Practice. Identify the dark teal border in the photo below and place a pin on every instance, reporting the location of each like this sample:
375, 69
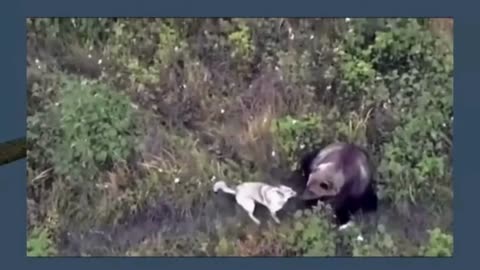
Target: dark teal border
466, 123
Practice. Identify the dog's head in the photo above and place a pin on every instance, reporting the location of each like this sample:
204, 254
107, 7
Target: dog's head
286, 192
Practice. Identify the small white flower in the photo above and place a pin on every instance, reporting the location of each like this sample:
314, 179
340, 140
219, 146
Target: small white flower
329, 87
176, 48
265, 120
56, 104
292, 36
294, 121
184, 86
350, 30
99, 61
37, 61
312, 36
222, 111
213, 178
160, 170
360, 238
277, 68
89, 56
273, 153
302, 146
177, 180
347, 19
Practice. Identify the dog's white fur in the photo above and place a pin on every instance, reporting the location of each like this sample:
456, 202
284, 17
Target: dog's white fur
246, 194
346, 225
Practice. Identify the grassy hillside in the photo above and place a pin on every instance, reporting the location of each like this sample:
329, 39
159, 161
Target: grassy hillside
131, 120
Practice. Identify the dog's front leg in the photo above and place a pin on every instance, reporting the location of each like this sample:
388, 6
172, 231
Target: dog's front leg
274, 216
254, 218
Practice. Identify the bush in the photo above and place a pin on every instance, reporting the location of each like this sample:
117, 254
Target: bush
97, 129
92, 128
293, 136
242, 46
40, 244
378, 244
440, 244
312, 234
403, 67
296, 136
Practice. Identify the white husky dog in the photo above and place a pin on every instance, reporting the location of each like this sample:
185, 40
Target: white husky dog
246, 194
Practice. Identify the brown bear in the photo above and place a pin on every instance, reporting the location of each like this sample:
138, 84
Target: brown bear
341, 175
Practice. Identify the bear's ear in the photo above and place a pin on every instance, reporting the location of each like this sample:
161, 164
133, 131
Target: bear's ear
325, 166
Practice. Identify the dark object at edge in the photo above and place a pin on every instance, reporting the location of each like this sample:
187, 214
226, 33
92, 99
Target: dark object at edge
13, 150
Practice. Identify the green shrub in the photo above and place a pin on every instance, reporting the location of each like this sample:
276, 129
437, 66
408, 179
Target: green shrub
378, 244
40, 244
294, 135
312, 234
439, 244
97, 129
402, 65
242, 45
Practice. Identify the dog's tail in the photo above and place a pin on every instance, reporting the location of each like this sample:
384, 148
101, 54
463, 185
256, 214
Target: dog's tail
221, 185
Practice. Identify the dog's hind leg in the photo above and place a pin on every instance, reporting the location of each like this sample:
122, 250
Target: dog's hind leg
249, 206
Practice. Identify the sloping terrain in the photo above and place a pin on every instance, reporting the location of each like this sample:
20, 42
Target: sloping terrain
130, 121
